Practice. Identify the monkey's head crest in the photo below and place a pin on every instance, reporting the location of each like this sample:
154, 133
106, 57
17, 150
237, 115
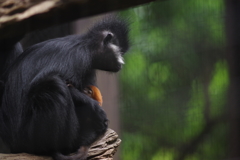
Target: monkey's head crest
111, 43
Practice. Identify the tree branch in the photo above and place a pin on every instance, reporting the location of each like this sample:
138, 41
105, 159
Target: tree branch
103, 149
192, 145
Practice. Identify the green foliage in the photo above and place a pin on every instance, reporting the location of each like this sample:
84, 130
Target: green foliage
174, 81
164, 154
135, 144
218, 88
194, 113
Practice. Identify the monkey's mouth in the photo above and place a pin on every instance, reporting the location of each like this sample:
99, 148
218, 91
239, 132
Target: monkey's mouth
118, 53
120, 58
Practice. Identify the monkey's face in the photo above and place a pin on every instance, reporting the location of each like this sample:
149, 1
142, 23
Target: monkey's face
109, 56
108, 42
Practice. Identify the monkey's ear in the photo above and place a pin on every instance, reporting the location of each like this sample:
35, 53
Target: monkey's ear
108, 36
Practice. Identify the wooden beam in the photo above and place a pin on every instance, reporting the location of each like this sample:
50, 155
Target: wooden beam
18, 17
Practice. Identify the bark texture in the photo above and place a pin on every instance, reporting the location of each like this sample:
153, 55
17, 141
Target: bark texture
103, 149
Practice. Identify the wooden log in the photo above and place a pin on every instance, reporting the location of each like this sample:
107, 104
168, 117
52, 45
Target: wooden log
18, 17
103, 149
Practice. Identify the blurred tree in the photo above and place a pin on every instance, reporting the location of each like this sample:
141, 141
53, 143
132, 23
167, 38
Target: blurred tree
175, 81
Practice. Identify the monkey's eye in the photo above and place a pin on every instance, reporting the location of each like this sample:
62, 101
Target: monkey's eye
108, 37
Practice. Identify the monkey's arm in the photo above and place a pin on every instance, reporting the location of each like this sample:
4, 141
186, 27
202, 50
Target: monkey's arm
85, 106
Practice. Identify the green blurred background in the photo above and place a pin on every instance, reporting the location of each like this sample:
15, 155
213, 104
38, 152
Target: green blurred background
175, 81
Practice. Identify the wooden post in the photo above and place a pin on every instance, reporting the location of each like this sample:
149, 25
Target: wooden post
233, 57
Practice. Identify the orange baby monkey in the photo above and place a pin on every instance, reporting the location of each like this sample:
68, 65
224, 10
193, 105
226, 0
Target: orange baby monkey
94, 93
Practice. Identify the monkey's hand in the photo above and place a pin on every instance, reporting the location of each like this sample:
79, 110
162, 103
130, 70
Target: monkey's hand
69, 83
94, 93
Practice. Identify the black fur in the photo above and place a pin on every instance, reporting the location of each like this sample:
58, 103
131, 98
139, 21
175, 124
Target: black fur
40, 113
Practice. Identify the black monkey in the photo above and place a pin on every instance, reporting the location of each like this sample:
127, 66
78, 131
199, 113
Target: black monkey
40, 112
9, 51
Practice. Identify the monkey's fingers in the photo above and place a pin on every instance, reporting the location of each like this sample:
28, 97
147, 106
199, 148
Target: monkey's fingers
69, 84
88, 91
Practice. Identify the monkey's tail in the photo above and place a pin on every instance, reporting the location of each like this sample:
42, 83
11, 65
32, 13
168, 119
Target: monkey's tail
81, 154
